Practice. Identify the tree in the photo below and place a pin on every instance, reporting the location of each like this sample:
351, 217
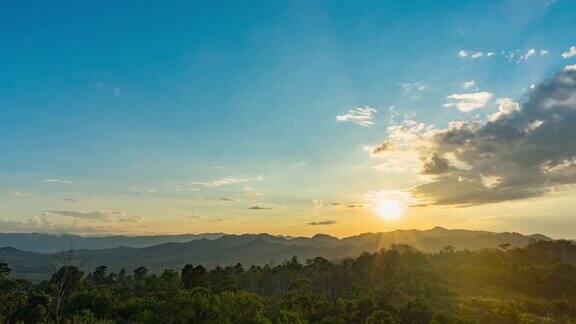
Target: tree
4, 271
140, 273
99, 275
12, 295
415, 312
64, 280
194, 276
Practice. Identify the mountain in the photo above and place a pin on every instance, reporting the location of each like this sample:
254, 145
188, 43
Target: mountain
41, 242
253, 249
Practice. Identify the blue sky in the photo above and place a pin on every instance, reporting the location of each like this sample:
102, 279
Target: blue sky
130, 100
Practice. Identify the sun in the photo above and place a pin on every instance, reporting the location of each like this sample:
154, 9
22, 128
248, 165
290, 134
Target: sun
389, 209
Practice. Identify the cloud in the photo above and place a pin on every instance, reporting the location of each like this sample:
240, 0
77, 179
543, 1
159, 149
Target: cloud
413, 86
251, 193
385, 146
515, 56
58, 181
570, 68
506, 106
464, 54
95, 215
476, 55
228, 181
317, 204
570, 52
191, 215
529, 53
326, 222
71, 199
42, 223
259, 207
525, 151
469, 84
434, 164
362, 116
297, 165
467, 102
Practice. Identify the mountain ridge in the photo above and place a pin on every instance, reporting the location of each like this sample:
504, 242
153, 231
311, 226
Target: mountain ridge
260, 249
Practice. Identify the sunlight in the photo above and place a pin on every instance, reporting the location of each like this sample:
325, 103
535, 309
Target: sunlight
387, 205
389, 209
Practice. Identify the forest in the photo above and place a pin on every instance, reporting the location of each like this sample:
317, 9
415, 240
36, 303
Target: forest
399, 284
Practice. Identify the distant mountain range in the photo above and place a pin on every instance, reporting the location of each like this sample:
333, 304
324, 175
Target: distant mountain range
28, 254
41, 242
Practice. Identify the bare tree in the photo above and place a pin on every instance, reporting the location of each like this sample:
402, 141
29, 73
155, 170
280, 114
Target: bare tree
65, 275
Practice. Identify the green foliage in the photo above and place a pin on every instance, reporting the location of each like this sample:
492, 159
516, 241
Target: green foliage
396, 285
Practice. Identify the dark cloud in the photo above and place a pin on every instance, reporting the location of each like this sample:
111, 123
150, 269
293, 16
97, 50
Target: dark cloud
434, 164
383, 147
327, 222
518, 154
260, 208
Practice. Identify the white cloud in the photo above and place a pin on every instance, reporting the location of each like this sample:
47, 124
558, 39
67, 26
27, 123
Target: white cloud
362, 116
570, 52
476, 55
570, 68
506, 106
411, 86
297, 165
58, 181
228, 181
469, 84
467, 102
529, 53
464, 54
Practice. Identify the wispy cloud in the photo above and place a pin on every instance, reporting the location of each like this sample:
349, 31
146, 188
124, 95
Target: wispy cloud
362, 116
413, 86
228, 181
465, 54
58, 181
95, 215
317, 204
326, 222
515, 56
467, 102
297, 165
192, 216
43, 223
71, 199
469, 84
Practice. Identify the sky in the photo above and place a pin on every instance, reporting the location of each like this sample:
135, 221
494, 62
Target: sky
287, 117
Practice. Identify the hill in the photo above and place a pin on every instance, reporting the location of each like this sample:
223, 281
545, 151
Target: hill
259, 249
